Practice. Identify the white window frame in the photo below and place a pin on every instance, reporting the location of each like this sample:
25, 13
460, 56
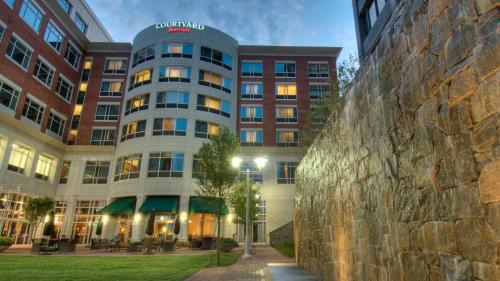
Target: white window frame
114, 72
318, 62
60, 115
287, 130
41, 11
42, 104
6, 109
72, 91
28, 157
50, 168
285, 77
43, 60
107, 103
77, 50
252, 61
11, 7
27, 46
4, 26
60, 31
251, 105
105, 128
287, 106
285, 83
112, 80
254, 83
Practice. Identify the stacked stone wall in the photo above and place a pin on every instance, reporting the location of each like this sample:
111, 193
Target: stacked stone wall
404, 181
282, 235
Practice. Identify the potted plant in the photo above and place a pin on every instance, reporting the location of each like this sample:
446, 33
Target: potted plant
5, 243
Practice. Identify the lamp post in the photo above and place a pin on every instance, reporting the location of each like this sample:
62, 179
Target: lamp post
260, 163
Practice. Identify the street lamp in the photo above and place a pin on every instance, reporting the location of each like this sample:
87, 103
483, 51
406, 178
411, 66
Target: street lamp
260, 162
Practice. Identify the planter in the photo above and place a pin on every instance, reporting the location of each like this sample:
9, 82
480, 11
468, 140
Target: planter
169, 247
4, 247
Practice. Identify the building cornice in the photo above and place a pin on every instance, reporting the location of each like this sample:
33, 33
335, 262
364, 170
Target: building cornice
267, 50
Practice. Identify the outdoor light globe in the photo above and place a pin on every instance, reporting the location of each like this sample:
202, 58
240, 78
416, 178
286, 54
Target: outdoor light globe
137, 218
105, 219
235, 162
260, 162
183, 216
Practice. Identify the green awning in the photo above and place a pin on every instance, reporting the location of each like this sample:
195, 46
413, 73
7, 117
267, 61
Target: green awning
205, 205
160, 204
119, 206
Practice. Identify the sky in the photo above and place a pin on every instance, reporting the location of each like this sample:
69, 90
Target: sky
251, 22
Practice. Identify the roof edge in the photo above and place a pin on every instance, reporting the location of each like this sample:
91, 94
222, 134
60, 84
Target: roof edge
289, 50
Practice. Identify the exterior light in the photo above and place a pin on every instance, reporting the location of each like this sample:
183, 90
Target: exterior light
183, 216
47, 217
260, 162
105, 219
230, 217
162, 218
236, 161
137, 218
164, 229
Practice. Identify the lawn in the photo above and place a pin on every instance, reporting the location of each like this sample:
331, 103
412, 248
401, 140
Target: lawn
123, 268
286, 249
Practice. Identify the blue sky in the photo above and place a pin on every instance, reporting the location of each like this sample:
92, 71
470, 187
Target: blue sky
264, 22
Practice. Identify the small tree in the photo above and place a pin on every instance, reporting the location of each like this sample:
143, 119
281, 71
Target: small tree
36, 209
219, 177
238, 201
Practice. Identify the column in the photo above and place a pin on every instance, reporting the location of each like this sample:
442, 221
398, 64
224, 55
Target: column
184, 217
69, 216
137, 221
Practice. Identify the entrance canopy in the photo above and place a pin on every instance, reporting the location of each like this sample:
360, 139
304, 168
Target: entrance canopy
160, 204
119, 206
205, 205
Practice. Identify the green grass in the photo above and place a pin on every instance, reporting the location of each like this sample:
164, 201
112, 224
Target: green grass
143, 268
286, 249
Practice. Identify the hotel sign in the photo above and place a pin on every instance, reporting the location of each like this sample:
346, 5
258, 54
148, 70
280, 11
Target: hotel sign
179, 26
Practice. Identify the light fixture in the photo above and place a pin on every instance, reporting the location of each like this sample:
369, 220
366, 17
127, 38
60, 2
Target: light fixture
137, 218
236, 161
105, 219
260, 162
183, 216
230, 217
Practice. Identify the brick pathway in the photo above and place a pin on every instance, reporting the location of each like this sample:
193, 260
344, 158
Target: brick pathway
252, 269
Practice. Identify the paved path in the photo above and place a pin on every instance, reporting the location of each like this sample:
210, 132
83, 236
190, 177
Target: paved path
266, 264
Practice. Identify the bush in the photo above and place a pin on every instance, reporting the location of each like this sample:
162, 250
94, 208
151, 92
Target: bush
286, 249
228, 244
6, 241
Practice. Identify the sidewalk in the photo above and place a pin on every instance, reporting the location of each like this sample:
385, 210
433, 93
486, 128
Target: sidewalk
266, 264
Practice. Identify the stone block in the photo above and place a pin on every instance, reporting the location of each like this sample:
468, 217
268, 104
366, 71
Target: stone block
435, 8
440, 32
485, 271
419, 35
476, 240
460, 45
438, 236
483, 6
412, 267
463, 85
462, 12
485, 135
493, 217
455, 268
487, 55
489, 183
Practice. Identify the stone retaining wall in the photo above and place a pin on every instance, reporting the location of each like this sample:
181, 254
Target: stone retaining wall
282, 235
404, 181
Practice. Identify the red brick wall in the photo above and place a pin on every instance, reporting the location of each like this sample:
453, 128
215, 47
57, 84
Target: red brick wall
269, 102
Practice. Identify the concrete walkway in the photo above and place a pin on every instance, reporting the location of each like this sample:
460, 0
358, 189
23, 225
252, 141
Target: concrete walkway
266, 264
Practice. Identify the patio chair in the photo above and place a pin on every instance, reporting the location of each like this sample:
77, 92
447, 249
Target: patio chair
148, 244
158, 244
48, 247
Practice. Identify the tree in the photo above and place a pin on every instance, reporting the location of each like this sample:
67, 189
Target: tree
219, 177
36, 209
323, 108
238, 201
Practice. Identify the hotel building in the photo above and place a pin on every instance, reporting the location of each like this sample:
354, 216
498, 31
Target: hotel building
110, 130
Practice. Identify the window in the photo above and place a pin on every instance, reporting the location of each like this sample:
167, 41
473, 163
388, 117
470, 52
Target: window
141, 78
175, 74
65, 5
319, 91
286, 91
256, 174
43, 72
31, 14
137, 103
166, 164
214, 105
8, 95
2, 30
205, 129
107, 112
251, 114
19, 52
111, 88
103, 137
10, 3
170, 127
198, 168
177, 50
72, 56
56, 124
251, 69
135, 129
286, 172
284, 69
216, 57
43, 167
286, 114
54, 37
63, 177
143, 55
96, 172
288, 138
18, 159
250, 137
80, 23
215, 80
318, 70
172, 99
33, 111
251, 90
64, 89
128, 167
115, 66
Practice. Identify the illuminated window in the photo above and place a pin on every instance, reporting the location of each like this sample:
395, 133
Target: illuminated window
214, 105
133, 129
87, 64
33, 110
177, 50
286, 172
284, 69
170, 127
78, 110
56, 124
289, 138
251, 114
141, 78
80, 23
205, 129
201, 225
318, 70
286, 91
216, 57
96, 172
172, 99
175, 74
18, 160
215, 80
19, 52
251, 137
115, 66
64, 89
166, 164
72, 56
63, 176
54, 37
43, 167
8, 95
319, 91
103, 137
107, 112
43, 72
128, 167
286, 114
251, 90
251, 69
137, 103
111, 88
143, 55
31, 14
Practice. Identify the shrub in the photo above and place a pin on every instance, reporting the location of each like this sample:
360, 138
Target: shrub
6, 241
228, 244
286, 249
